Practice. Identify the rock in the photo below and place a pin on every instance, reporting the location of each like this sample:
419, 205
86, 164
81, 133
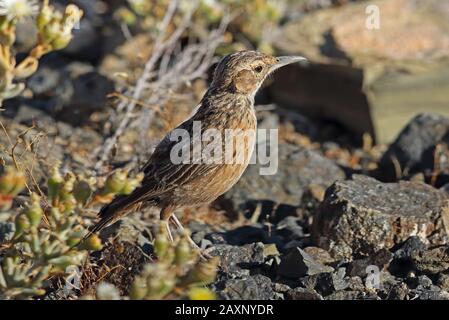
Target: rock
411, 245
362, 216
69, 91
199, 231
429, 294
431, 261
381, 259
351, 295
303, 294
443, 281
320, 255
7, 230
356, 284
399, 292
256, 287
90, 92
246, 235
298, 168
239, 259
425, 282
322, 283
298, 263
402, 259
414, 149
290, 229
375, 79
338, 279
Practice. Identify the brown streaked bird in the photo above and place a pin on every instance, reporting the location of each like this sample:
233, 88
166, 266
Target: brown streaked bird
227, 104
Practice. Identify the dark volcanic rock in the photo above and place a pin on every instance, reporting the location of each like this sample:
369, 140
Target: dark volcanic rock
7, 230
256, 287
431, 261
298, 263
322, 283
238, 260
443, 281
351, 295
298, 168
411, 245
303, 294
380, 259
245, 235
290, 228
399, 292
414, 148
361, 216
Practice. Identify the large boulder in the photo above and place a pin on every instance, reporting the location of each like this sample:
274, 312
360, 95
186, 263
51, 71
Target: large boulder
362, 216
375, 79
421, 147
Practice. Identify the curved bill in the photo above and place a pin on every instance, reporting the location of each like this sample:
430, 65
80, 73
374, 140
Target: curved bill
285, 60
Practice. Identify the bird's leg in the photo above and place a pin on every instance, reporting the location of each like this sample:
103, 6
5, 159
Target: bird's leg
165, 215
178, 223
167, 227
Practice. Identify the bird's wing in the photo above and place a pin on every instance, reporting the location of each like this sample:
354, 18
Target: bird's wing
162, 174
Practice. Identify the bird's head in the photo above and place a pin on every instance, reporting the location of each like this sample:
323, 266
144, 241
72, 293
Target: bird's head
245, 71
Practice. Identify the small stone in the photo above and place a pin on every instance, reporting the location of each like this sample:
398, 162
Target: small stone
411, 245
322, 283
425, 282
320, 255
239, 259
7, 230
338, 279
399, 292
250, 234
289, 228
256, 287
303, 294
298, 263
270, 250
356, 284
349, 295
380, 259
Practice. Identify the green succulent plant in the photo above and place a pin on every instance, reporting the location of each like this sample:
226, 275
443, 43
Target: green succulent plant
49, 228
178, 272
54, 30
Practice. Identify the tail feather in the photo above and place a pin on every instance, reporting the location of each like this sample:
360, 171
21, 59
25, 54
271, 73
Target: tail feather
111, 213
119, 207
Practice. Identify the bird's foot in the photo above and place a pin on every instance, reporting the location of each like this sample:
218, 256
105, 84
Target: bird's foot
202, 253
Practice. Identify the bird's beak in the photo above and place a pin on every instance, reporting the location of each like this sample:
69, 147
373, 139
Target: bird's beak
285, 60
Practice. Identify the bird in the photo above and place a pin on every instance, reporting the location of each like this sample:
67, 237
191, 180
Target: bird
227, 104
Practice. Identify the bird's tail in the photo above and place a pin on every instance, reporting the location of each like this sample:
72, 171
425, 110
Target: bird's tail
112, 212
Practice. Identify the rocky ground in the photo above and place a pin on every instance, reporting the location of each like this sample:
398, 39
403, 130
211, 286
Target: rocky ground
337, 214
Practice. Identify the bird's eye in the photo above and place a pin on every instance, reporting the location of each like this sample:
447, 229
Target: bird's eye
258, 69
